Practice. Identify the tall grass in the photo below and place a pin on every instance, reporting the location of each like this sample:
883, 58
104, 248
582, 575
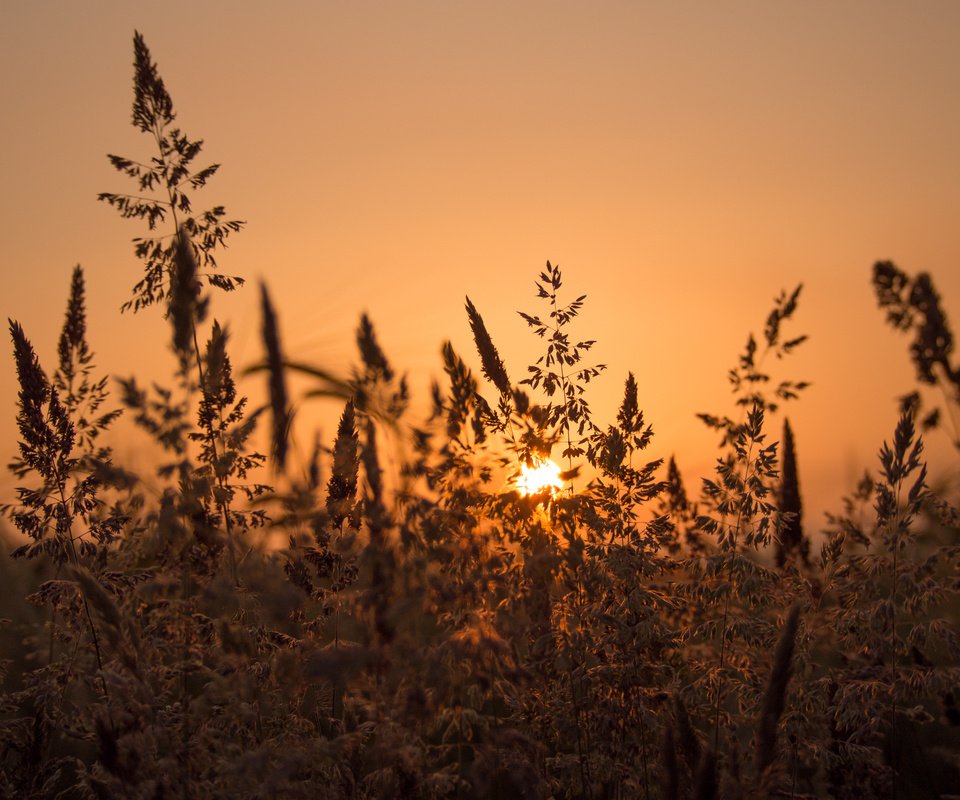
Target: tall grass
428, 630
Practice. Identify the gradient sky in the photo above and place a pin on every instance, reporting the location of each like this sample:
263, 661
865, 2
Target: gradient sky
682, 162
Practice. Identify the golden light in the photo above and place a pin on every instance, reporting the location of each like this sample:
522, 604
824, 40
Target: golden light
541, 476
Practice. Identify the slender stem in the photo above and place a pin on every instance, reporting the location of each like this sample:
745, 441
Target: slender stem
184, 689
83, 597
893, 642
583, 731
563, 387
53, 622
507, 406
336, 618
726, 606
643, 756
796, 765
620, 524
185, 573
138, 197
222, 504
211, 436
581, 756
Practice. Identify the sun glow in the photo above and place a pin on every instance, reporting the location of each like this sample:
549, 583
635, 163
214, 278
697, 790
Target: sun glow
542, 475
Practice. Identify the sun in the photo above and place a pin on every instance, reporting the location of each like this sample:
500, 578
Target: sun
542, 475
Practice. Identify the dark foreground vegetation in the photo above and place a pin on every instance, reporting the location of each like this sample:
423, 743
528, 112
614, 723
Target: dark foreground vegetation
424, 630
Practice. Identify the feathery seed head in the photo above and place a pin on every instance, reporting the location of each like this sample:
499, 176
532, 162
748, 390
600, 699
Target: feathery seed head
342, 486
152, 105
370, 351
34, 386
492, 364
73, 336
185, 307
277, 384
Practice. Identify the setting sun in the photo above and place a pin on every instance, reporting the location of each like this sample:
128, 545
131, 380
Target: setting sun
543, 474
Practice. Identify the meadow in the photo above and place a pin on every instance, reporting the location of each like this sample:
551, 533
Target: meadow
426, 610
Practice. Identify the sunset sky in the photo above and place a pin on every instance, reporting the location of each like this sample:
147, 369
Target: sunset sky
682, 162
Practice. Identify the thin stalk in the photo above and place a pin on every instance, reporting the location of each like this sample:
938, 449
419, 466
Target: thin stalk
460, 739
796, 766
221, 504
583, 732
224, 508
726, 607
53, 622
581, 757
184, 693
83, 597
336, 620
643, 756
893, 643
507, 405
563, 389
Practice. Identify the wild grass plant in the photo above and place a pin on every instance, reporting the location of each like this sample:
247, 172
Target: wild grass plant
429, 630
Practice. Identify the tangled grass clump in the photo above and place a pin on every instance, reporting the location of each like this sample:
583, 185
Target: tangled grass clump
426, 632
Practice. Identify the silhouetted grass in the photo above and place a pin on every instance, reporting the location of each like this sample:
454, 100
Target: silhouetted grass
428, 630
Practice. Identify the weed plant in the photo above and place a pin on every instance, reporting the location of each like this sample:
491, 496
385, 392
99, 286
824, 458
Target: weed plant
430, 631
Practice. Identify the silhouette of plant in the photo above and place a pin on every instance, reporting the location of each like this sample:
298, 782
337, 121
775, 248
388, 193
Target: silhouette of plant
791, 542
164, 186
912, 304
559, 370
399, 620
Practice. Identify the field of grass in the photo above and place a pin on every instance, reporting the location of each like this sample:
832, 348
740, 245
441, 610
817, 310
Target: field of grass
413, 616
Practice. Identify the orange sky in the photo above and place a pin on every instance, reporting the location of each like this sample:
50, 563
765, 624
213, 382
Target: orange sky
682, 162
